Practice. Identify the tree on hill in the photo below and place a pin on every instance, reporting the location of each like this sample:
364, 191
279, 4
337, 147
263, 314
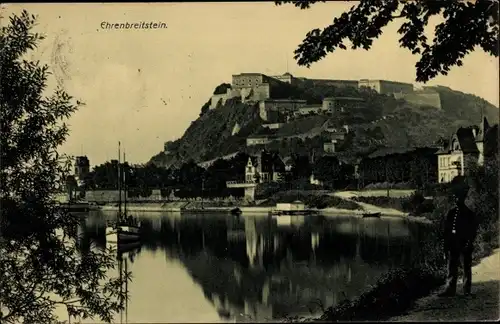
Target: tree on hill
206, 107
327, 169
191, 178
301, 167
41, 266
467, 24
222, 88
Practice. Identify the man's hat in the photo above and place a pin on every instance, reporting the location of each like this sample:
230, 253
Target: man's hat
459, 186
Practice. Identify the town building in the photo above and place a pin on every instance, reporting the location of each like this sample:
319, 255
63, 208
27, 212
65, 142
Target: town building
82, 169
250, 87
331, 106
249, 80
264, 167
337, 133
286, 78
464, 150
272, 109
309, 110
288, 161
259, 140
341, 104
329, 147
385, 86
314, 181
273, 125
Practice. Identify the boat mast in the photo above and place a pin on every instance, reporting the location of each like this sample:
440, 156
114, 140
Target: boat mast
124, 185
119, 184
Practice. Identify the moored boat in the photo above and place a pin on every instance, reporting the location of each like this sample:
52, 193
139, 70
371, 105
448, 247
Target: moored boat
125, 229
305, 212
295, 208
372, 215
77, 207
122, 233
236, 211
124, 247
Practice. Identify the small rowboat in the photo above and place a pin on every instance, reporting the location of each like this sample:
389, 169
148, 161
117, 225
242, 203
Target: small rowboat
372, 215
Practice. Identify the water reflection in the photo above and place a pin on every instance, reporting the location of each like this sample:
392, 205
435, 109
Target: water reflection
217, 268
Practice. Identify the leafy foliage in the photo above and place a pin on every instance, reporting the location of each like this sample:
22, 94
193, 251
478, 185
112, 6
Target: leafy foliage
41, 266
467, 24
332, 172
206, 107
222, 88
400, 166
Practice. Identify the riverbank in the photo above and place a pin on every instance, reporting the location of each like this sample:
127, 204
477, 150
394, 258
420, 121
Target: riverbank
261, 211
483, 305
349, 195
393, 193
411, 295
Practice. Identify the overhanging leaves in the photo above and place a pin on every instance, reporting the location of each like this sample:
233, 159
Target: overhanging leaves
466, 25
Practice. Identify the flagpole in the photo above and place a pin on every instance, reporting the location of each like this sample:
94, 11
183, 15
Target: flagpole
119, 183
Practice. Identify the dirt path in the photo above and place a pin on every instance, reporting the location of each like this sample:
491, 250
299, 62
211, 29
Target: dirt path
348, 195
482, 305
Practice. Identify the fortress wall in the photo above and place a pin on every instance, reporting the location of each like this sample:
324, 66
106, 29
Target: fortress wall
216, 99
424, 99
387, 87
273, 125
262, 92
336, 83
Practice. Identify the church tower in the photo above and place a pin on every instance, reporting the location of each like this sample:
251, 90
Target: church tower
483, 127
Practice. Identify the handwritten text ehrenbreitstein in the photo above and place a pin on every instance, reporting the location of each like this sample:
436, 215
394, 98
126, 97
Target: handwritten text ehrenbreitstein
135, 25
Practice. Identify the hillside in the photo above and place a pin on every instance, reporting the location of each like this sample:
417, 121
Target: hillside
383, 122
210, 135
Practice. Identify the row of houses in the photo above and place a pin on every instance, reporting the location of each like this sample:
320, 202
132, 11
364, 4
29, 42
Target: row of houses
466, 148
270, 133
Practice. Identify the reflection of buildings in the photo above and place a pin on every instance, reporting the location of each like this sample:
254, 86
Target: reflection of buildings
314, 240
289, 221
268, 269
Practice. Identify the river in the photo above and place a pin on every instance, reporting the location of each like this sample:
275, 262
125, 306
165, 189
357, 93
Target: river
222, 268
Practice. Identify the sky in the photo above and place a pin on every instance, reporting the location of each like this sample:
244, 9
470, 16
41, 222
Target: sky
145, 86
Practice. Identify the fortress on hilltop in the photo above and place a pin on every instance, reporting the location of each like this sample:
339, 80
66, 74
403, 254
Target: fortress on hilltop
258, 87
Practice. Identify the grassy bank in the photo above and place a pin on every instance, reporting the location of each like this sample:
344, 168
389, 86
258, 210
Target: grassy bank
414, 204
312, 200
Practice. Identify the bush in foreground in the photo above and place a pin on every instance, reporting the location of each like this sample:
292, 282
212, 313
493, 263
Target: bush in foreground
41, 264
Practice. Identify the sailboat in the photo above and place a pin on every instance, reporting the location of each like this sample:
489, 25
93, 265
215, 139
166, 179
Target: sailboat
126, 229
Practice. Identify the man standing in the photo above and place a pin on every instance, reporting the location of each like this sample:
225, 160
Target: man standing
460, 231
